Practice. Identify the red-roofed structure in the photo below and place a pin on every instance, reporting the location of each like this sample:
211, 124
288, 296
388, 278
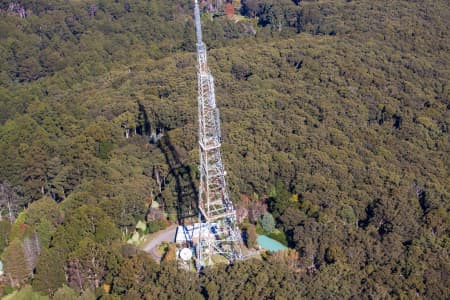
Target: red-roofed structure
229, 9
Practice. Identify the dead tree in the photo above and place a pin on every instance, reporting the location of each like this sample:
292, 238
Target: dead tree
8, 200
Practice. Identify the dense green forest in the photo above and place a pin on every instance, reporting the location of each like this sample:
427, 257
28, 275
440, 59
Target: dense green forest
335, 116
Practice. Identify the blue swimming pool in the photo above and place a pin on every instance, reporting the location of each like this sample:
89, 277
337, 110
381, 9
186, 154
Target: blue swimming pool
270, 244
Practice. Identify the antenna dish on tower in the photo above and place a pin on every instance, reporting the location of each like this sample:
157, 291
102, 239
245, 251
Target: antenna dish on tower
185, 254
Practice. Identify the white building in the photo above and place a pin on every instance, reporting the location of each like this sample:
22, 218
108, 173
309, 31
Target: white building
189, 234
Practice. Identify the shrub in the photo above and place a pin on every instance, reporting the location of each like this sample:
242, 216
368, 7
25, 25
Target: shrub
268, 222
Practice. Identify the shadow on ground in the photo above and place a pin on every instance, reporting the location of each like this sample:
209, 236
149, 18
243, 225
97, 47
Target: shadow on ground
183, 175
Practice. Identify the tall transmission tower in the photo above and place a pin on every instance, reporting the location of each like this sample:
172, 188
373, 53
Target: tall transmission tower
218, 234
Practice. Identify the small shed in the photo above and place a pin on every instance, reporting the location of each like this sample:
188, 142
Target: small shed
229, 10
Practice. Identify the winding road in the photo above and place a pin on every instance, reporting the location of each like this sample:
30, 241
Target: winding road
166, 235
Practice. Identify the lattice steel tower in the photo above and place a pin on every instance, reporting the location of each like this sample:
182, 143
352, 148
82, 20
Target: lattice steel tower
218, 234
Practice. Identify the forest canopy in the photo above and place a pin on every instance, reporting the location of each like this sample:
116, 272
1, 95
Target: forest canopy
335, 117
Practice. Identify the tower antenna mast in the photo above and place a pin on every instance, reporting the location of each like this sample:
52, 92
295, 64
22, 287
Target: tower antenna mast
218, 234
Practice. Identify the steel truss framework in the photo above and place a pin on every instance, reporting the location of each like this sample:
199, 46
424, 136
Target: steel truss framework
216, 211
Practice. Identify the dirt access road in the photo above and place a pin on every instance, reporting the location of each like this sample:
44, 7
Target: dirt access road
166, 235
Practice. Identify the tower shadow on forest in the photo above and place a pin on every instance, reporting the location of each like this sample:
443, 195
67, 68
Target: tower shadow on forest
144, 126
186, 191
